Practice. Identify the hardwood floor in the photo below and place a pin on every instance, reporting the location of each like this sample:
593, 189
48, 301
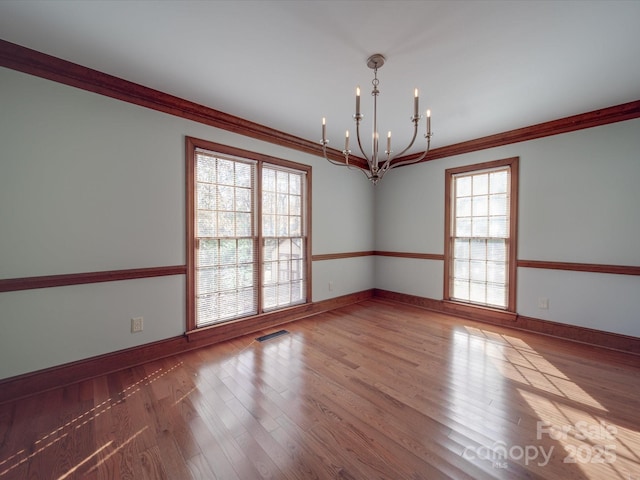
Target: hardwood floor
377, 390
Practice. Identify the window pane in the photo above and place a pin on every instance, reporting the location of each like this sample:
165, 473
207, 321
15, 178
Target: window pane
498, 205
461, 248
226, 224
480, 184
206, 196
270, 251
243, 224
228, 277
463, 187
496, 272
480, 206
463, 227
297, 291
206, 224
477, 292
284, 294
497, 250
498, 227
478, 249
245, 251
268, 180
295, 184
282, 204
268, 203
270, 297
282, 182
243, 200
294, 205
225, 172
207, 280
269, 225
463, 207
295, 226
243, 175
499, 181
207, 308
461, 269
226, 198
478, 270
496, 296
270, 273
461, 289
283, 225
480, 226
205, 168
208, 253
245, 275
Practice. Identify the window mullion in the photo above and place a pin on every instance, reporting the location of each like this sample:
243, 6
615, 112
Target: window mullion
258, 240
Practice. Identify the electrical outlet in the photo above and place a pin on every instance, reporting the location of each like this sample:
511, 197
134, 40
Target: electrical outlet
331, 286
543, 303
136, 324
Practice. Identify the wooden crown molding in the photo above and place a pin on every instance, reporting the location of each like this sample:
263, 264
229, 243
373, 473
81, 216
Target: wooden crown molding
46, 66
595, 118
52, 68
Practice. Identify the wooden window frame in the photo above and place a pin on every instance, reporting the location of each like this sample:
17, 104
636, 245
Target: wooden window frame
513, 164
191, 144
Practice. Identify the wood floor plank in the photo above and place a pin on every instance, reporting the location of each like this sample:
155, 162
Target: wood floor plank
375, 390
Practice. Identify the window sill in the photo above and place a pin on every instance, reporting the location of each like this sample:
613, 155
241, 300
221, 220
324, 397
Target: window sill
478, 312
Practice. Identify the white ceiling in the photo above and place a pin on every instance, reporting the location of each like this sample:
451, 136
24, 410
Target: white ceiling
483, 67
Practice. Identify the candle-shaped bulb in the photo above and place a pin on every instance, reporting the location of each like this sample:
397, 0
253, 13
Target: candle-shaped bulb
324, 130
389, 142
415, 102
357, 101
428, 122
346, 140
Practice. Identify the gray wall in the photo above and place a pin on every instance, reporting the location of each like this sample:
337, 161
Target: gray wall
89, 183
579, 201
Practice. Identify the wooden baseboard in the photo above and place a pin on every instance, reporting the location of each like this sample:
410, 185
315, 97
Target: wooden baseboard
32, 383
590, 336
27, 384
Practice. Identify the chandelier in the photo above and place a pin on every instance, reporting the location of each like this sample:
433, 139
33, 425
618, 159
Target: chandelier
378, 164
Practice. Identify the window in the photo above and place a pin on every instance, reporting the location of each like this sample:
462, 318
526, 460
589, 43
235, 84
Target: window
247, 233
480, 226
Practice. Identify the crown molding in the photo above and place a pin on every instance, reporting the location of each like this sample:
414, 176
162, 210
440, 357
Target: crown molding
62, 71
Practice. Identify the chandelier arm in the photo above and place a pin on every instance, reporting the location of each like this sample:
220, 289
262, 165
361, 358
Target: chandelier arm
416, 160
341, 164
387, 165
369, 161
413, 139
326, 157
